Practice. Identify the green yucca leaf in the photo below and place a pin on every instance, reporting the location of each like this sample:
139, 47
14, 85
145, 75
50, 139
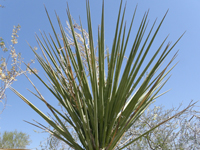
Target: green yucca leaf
100, 102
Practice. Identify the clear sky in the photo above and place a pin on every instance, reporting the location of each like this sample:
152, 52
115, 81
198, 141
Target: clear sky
30, 14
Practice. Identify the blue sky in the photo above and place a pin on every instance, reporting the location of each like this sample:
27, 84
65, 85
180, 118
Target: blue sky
183, 16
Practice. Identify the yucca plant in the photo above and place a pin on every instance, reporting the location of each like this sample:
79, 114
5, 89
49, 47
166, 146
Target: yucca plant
104, 99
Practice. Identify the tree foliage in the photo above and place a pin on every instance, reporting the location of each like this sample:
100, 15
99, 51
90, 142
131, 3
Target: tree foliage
182, 132
14, 140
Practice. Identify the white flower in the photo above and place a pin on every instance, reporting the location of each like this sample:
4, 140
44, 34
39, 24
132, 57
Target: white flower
14, 55
3, 76
14, 41
12, 78
35, 70
155, 116
4, 64
35, 48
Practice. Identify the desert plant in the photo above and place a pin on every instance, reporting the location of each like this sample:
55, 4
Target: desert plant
181, 132
101, 105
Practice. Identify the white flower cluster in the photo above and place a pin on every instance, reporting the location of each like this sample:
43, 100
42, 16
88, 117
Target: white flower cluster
9, 75
14, 34
9, 70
